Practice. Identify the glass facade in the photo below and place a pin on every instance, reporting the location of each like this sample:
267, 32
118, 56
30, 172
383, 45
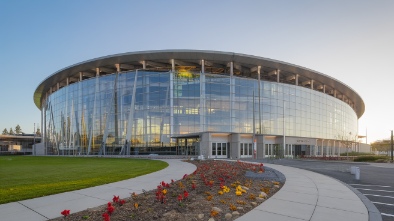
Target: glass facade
141, 110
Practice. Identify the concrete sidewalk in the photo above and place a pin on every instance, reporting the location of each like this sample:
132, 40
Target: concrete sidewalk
305, 196
310, 196
49, 207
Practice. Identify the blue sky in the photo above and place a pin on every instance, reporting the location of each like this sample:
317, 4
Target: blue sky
350, 40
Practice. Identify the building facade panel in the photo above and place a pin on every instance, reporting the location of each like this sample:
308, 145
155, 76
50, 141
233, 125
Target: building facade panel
92, 116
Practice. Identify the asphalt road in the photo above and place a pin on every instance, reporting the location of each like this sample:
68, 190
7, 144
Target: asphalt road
376, 179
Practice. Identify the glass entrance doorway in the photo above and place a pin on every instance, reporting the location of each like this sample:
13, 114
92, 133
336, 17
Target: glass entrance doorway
301, 150
188, 146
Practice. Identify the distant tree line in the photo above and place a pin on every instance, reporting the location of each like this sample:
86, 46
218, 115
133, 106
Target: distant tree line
17, 131
381, 145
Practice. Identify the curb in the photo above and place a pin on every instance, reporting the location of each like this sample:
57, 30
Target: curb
373, 212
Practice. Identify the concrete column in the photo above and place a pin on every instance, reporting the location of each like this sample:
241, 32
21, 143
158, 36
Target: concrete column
312, 84
206, 144
234, 145
67, 81
296, 79
324, 88
97, 72
117, 67
277, 75
260, 146
335, 93
58, 86
144, 65
80, 76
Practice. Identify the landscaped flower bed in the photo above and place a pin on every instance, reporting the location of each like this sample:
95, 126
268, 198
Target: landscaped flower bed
217, 189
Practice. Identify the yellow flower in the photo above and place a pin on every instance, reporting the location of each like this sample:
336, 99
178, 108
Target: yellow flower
238, 193
164, 191
220, 192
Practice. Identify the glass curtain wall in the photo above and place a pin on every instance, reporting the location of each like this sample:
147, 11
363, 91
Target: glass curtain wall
93, 116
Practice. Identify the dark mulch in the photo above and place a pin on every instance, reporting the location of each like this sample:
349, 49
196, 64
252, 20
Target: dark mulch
203, 195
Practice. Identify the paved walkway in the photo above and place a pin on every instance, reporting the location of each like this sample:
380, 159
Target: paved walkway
310, 196
305, 196
49, 207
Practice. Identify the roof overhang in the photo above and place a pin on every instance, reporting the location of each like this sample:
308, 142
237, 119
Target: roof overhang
164, 56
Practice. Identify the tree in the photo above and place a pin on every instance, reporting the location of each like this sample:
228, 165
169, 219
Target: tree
347, 140
38, 132
18, 129
381, 145
11, 132
5, 131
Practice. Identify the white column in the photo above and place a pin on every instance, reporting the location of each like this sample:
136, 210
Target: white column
202, 97
144, 65
232, 91
172, 97
259, 82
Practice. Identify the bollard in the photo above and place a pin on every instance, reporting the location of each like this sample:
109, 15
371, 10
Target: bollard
357, 174
353, 170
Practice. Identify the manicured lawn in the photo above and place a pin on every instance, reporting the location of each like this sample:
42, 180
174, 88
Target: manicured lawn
25, 177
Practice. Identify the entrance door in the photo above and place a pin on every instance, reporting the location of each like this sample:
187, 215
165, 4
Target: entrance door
219, 150
188, 146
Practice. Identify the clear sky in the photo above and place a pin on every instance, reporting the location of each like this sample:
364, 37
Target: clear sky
352, 41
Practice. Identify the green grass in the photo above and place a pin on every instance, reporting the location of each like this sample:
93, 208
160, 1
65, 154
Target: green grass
26, 177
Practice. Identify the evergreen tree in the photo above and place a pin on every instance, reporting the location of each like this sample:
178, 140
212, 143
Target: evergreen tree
5, 131
11, 132
18, 129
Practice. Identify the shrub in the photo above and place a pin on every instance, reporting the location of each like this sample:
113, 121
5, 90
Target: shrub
357, 154
371, 158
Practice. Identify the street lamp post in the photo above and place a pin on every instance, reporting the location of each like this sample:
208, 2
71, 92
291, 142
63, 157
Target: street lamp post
391, 146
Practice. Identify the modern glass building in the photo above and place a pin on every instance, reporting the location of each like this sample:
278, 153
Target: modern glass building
216, 104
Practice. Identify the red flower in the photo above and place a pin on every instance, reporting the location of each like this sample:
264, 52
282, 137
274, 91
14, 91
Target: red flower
185, 194
180, 198
193, 186
110, 208
115, 199
185, 176
122, 202
106, 217
65, 212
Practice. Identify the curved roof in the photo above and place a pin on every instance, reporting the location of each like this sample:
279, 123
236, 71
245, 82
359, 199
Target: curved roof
246, 64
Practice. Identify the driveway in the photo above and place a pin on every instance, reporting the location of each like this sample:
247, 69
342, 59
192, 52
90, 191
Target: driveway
376, 179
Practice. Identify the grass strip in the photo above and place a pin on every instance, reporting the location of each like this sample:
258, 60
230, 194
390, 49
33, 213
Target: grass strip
26, 177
